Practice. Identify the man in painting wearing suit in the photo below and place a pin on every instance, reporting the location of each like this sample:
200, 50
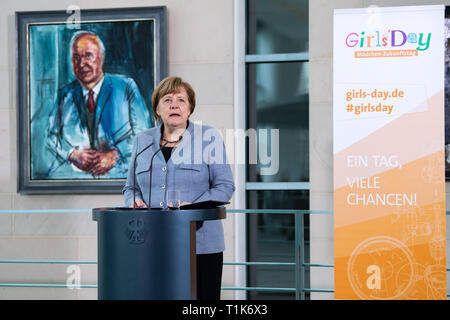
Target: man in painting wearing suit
95, 118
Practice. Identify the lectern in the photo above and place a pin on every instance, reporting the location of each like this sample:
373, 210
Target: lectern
148, 254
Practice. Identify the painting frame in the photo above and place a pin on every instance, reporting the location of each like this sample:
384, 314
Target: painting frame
26, 184
447, 94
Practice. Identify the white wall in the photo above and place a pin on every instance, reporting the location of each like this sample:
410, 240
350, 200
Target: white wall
321, 130
200, 50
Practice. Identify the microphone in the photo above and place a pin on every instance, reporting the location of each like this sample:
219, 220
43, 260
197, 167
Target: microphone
151, 170
134, 173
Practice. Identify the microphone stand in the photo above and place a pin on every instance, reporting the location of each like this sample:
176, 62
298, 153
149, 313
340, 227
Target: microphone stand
151, 170
134, 173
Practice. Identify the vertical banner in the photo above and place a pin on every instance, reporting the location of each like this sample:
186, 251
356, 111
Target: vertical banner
389, 183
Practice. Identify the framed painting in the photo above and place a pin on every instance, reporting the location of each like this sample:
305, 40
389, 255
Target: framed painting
84, 84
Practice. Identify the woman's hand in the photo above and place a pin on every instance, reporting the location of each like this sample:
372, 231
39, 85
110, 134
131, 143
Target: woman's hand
139, 204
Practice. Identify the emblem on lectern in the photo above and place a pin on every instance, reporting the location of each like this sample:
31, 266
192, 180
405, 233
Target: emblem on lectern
136, 231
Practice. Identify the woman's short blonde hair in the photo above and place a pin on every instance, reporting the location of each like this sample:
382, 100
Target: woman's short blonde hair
171, 85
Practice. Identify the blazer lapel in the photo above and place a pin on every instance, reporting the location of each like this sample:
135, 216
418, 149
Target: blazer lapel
77, 94
147, 155
187, 144
103, 96
156, 146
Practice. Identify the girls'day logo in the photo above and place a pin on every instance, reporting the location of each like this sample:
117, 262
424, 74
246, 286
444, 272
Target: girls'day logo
388, 43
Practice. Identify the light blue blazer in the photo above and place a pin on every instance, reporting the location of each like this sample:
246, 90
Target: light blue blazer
120, 113
198, 168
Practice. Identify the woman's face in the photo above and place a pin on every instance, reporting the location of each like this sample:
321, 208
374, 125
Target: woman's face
174, 109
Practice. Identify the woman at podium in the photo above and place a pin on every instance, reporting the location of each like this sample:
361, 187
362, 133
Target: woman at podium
188, 161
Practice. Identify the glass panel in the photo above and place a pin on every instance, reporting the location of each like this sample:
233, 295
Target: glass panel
278, 99
277, 26
272, 239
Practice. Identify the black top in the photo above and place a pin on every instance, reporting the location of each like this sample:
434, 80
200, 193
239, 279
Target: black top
167, 152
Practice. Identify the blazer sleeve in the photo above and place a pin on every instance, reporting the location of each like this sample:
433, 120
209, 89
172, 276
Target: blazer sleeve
221, 184
139, 113
56, 141
138, 117
131, 187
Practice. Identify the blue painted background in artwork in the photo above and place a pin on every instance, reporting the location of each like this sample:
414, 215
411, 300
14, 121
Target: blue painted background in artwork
129, 51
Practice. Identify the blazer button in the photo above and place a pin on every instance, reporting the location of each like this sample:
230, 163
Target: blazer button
161, 204
163, 186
